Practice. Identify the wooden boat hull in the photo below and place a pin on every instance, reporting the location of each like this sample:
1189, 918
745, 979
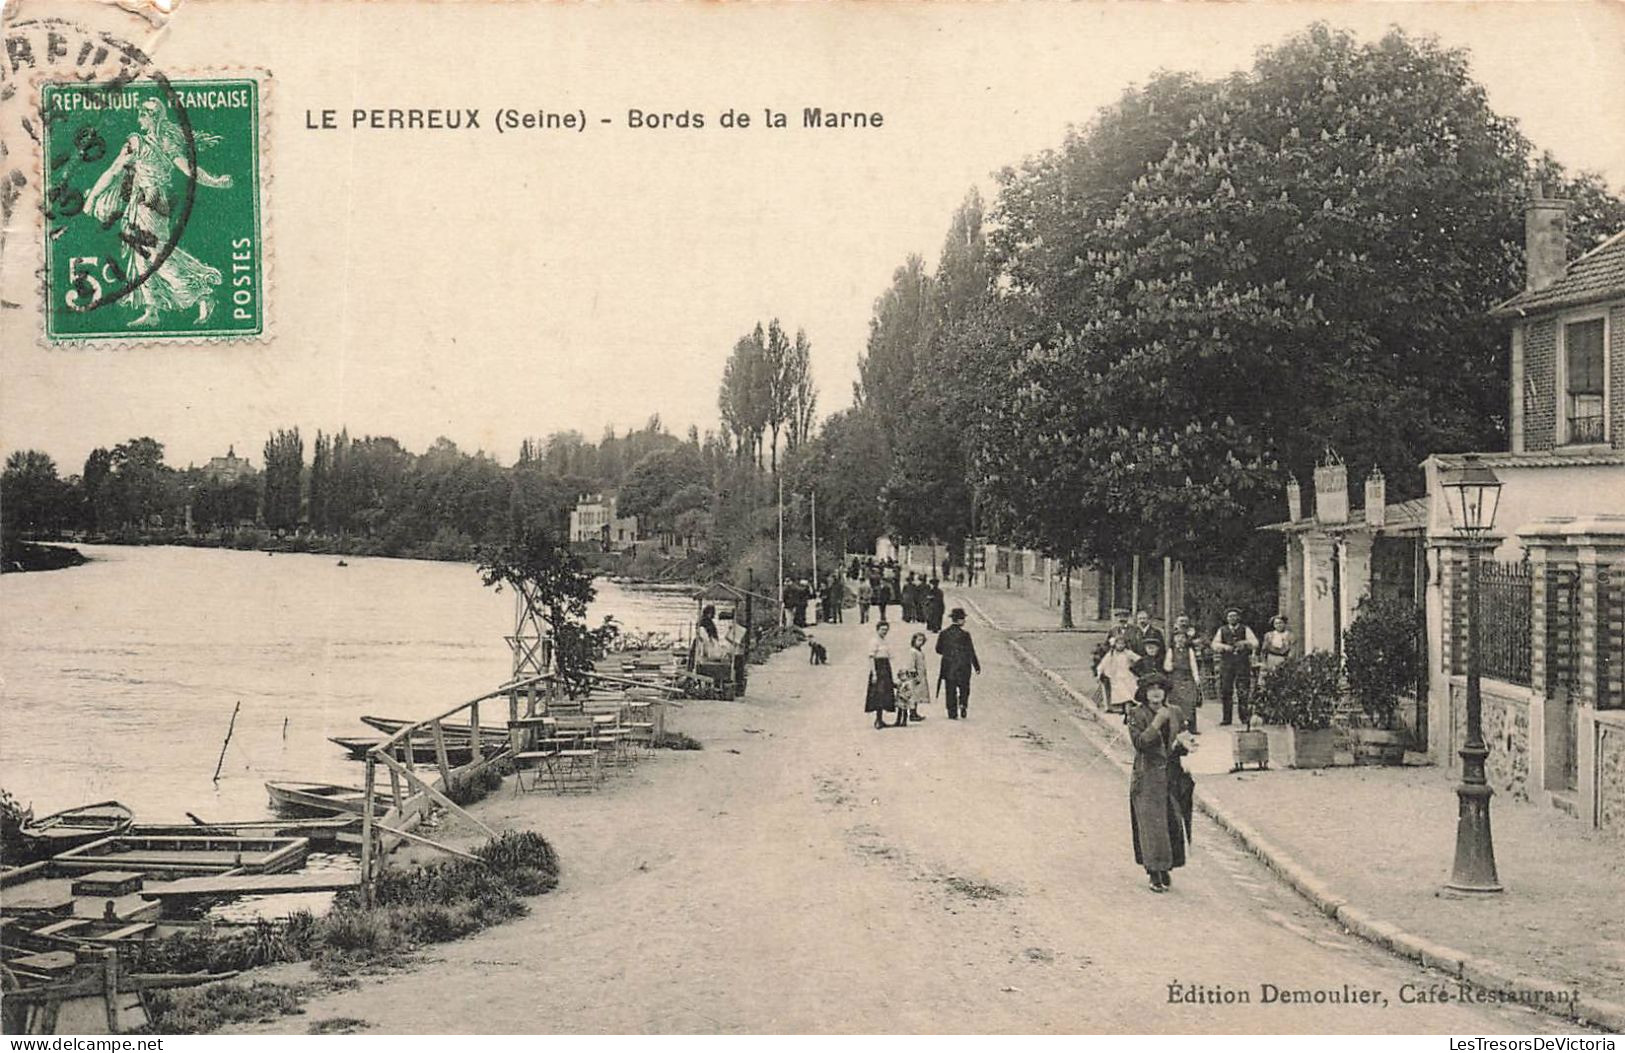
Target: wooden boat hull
390, 725
330, 831
325, 798
457, 753
75, 827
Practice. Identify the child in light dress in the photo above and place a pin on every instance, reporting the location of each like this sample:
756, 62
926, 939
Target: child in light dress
1116, 675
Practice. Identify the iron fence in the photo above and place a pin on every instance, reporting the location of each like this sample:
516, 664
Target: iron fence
1505, 598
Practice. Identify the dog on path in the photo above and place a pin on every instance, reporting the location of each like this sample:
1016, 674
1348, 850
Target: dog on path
816, 653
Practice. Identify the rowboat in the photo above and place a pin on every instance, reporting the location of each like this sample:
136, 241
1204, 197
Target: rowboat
328, 830
75, 827
325, 798
390, 725
423, 752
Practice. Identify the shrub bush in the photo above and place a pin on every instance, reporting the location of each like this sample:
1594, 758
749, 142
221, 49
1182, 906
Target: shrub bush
1382, 651
1302, 692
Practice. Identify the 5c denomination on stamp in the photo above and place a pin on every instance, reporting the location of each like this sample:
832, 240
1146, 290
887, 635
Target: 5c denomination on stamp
152, 204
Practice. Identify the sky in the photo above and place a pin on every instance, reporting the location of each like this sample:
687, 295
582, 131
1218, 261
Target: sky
492, 287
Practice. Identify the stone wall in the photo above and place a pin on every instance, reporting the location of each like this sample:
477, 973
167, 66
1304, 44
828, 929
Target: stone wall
1611, 778
1506, 733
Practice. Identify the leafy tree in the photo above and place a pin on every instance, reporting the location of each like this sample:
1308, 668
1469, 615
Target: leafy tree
1217, 281
803, 393
779, 369
321, 483
900, 333
536, 563
845, 465
655, 480
33, 498
94, 484
283, 479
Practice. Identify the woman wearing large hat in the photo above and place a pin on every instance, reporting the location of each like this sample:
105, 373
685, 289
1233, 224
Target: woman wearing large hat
1158, 822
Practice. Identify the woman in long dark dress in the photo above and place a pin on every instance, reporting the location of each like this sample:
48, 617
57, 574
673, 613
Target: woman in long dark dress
1156, 822
881, 696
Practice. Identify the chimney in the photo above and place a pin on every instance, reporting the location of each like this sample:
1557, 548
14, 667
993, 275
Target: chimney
1376, 499
1546, 238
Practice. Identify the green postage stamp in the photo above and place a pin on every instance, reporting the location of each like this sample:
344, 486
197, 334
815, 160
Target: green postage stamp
153, 225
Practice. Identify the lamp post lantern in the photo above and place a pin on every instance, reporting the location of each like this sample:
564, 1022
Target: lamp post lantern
1473, 494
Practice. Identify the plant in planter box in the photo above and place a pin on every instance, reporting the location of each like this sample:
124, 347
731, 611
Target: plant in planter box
1382, 653
1302, 693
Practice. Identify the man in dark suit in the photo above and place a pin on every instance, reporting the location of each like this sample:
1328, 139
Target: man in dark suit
959, 660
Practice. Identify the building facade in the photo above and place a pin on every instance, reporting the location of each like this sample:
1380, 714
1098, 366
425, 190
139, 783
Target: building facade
593, 520
1552, 585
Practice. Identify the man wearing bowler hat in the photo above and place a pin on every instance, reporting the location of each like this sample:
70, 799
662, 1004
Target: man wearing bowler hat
958, 653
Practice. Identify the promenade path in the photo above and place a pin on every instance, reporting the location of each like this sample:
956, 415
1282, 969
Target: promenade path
806, 873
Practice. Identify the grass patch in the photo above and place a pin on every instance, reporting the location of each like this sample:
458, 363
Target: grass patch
200, 1010
469, 790
411, 907
676, 740
338, 1025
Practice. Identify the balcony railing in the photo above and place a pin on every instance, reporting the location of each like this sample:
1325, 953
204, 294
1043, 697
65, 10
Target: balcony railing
1588, 429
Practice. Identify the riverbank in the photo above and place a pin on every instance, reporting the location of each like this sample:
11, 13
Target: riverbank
645, 566
22, 557
804, 873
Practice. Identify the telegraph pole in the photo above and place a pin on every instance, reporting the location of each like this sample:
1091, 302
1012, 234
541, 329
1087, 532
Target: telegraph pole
781, 550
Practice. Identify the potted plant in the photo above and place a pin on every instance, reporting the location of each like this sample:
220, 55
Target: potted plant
1382, 654
1299, 697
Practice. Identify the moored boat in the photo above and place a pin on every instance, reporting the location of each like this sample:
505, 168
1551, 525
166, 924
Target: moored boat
325, 798
73, 827
390, 725
423, 751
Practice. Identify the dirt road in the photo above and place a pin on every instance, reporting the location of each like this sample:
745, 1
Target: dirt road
805, 873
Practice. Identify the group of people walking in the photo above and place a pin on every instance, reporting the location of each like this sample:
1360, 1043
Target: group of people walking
919, 599
1135, 651
1153, 678
902, 686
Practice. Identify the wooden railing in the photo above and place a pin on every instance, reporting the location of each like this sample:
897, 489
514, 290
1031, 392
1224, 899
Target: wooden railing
412, 796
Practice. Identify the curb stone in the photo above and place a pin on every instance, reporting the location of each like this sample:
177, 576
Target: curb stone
1607, 1015
1477, 972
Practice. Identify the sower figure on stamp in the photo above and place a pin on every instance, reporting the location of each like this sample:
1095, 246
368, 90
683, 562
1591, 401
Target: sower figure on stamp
138, 193
1235, 645
959, 660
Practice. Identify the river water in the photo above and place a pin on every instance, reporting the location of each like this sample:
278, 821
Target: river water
118, 678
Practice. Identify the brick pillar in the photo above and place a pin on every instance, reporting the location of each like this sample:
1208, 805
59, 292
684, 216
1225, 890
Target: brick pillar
1446, 711
1574, 663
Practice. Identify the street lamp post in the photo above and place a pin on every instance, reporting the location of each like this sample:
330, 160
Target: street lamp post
1473, 494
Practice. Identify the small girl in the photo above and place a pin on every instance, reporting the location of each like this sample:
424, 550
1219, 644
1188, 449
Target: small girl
1116, 675
913, 682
